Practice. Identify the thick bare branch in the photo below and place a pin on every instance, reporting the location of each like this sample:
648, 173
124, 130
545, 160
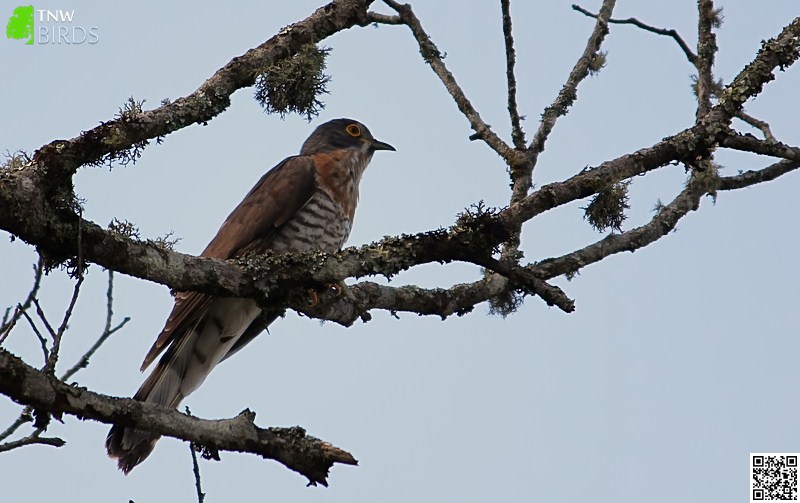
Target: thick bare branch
708, 18
291, 447
356, 302
378, 18
748, 143
63, 157
778, 52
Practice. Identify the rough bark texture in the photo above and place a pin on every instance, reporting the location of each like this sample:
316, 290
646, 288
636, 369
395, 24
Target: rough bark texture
38, 205
291, 447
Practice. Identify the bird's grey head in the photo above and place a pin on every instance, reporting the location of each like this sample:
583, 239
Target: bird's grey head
340, 134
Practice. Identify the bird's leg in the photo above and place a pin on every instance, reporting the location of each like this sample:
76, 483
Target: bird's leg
313, 298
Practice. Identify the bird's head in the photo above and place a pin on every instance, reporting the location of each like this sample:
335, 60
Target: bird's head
342, 133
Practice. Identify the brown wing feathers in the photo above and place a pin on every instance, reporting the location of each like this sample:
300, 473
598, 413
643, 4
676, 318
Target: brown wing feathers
250, 227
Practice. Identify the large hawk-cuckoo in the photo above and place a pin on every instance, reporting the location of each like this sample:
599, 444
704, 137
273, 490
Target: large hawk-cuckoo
306, 202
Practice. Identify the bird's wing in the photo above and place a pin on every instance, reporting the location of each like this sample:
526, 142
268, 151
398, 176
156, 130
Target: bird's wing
272, 202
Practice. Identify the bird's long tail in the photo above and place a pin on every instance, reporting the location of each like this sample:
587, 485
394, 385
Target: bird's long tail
180, 371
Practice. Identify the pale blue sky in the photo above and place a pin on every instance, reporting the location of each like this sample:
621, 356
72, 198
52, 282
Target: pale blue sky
679, 361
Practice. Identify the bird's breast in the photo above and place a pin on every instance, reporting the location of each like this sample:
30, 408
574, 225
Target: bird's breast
322, 224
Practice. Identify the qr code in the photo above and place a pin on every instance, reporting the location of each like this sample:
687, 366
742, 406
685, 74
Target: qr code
773, 477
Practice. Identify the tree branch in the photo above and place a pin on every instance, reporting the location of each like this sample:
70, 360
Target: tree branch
432, 56
758, 124
663, 223
652, 29
751, 177
108, 331
291, 447
517, 134
569, 93
32, 439
778, 52
55, 229
708, 18
9, 323
378, 18
62, 158
748, 143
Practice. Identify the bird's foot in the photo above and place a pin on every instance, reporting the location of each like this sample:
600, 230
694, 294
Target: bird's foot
336, 288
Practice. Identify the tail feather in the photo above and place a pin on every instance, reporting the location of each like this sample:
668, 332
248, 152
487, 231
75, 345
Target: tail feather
184, 366
163, 387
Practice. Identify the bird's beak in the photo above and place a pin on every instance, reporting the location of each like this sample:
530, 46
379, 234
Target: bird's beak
379, 145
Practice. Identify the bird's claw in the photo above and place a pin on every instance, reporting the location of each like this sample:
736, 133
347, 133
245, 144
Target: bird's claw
313, 295
313, 298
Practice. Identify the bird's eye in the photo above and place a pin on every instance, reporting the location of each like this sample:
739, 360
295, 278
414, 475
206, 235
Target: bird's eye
353, 130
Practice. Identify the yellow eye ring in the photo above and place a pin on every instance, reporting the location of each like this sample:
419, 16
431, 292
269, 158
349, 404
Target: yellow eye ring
353, 130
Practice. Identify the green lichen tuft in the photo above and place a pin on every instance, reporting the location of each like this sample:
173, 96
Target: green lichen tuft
293, 85
124, 228
166, 242
127, 118
506, 303
15, 160
607, 209
598, 62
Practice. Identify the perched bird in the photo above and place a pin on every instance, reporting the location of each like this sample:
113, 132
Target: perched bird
306, 202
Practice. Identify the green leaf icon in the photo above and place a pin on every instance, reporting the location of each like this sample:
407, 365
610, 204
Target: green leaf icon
20, 24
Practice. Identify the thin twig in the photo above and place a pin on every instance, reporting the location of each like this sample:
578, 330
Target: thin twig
32, 439
517, 134
196, 468
8, 324
568, 94
108, 331
43, 319
24, 417
83, 362
716, 91
432, 56
50, 367
42, 340
758, 124
691, 56
754, 177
